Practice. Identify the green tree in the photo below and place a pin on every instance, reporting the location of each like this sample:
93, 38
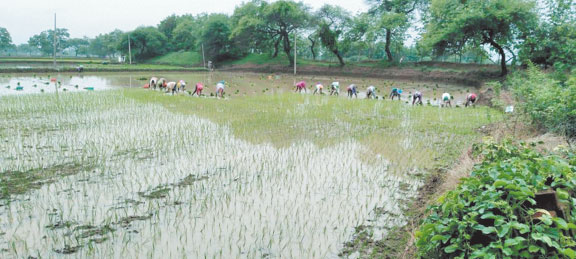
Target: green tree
45, 40
274, 22
79, 45
105, 45
216, 38
334, 23
5, 39
249, 30
394, 18
145, 42
185, 35
500, 24
553, 41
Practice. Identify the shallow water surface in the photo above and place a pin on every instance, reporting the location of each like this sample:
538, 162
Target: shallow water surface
176, 186
238, 84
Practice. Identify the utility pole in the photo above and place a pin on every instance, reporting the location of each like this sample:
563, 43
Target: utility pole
129, 50
54, 46
295, 52
203, 56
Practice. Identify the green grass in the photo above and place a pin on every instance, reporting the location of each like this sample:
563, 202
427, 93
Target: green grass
187, 59
409, 136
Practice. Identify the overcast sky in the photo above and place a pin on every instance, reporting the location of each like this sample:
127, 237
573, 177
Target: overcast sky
24, 18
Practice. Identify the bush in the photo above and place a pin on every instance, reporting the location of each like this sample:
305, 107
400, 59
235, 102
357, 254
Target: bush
550, 104
491, 214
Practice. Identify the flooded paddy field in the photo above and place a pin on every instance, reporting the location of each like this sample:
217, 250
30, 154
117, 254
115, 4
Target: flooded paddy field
136, 173
238, 84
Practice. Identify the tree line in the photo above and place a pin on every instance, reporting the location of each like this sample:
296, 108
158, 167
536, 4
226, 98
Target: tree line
513, 31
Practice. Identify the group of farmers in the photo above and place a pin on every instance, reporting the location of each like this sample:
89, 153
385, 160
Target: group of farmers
174, 87
352, 90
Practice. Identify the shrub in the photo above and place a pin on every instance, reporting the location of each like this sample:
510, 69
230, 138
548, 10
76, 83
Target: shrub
491, 214
551, 105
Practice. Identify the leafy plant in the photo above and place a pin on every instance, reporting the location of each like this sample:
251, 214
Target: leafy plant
493, 214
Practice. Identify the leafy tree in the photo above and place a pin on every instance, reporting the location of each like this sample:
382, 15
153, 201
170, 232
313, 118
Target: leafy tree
553, 41
498, 23
394, 17
185, 35
45, 40
146, 42
249, 30
79, 45
167, 27
274, 21
105, 44
5, 39
216, 38
25, 48
334, 23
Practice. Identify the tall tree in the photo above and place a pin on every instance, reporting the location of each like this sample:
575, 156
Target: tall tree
5, 39
334, 23
275, 22
216, 38
553, 41
145, 42
79, 45
105, 45
394, 17
497, 23
45, 40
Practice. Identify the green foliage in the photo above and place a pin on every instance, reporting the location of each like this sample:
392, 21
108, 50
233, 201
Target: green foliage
553, 41
146, 42
216, 38
5, 39
549, 104
105, 44
334, 22
45, 40
453, 24
490, 214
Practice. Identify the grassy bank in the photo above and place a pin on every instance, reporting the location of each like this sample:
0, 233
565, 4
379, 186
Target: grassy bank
184, 59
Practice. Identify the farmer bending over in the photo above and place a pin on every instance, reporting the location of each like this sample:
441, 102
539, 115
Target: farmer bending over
446, 99
471, 99
301, 86
220, 89
395, 93
417, 98
352, 91
198, 89
371, 92
319, 88
335, 88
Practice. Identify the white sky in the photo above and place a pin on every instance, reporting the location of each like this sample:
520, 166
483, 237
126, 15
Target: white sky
24, 18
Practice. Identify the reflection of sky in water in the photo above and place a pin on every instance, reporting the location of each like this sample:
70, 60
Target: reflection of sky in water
32, 85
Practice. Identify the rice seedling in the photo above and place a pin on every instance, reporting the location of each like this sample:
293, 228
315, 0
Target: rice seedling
135, 173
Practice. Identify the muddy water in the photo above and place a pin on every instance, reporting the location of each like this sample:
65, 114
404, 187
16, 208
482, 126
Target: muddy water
180, 186
238, 84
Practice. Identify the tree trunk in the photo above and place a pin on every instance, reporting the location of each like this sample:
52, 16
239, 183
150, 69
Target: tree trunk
276, 44
287, 47
502, 57
340, 59
490, 40
312, 47
388, 42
